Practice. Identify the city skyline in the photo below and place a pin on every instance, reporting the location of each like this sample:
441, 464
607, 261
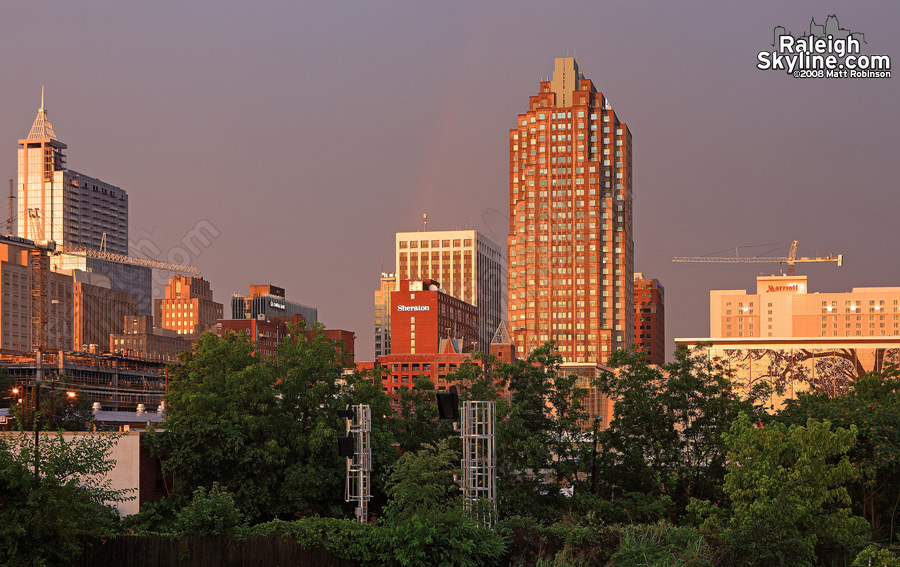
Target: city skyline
726, 155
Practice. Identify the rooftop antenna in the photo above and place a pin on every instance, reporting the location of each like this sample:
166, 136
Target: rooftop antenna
424, 222
42, 97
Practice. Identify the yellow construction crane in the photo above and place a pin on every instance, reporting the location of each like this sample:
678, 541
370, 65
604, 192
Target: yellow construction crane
791, 259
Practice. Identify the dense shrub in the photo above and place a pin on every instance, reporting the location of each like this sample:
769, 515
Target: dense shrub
211, 512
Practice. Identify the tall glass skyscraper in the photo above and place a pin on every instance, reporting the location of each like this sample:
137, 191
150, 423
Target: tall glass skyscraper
71, 209
571, 250
59, 204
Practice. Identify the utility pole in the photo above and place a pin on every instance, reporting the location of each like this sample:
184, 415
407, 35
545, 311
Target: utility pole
34, 417
12, 197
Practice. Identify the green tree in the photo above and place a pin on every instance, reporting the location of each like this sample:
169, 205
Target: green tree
789, 505
419, 423
423, 482
266, 431
537, 436
211, 512
665, 437
873, 406
43, 517
425, 523
220, 413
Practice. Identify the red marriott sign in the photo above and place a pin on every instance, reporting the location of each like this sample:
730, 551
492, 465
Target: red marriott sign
792, 287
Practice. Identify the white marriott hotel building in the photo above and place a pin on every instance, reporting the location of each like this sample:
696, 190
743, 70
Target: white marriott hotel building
800, 340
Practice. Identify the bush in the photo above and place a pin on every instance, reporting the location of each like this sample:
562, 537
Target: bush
346, 539
154, 517
444, 538
210, 512
440, 538
663, 545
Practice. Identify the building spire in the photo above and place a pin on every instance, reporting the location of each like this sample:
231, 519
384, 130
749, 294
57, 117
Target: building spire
42, 129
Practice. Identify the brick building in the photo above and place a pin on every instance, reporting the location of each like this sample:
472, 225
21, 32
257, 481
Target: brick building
267, 302
188, 308
650, 318
267, 334
468, 265
571, 250
422, 314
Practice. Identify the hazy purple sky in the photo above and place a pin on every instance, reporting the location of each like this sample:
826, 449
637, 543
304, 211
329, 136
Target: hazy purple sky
308, 134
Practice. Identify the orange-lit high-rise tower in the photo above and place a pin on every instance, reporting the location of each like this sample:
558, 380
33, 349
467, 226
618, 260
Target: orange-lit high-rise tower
571, 251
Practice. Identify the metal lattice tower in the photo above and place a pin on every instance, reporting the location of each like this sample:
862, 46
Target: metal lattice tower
359, 466
40, 267
479, 456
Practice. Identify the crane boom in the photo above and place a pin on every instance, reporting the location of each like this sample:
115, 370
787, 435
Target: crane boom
790, 259
130, 260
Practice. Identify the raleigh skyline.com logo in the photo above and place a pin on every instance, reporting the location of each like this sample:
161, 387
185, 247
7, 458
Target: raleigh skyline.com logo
827, 51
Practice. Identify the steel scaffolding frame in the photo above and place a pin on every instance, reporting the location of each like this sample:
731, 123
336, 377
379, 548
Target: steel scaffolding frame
359, 466
479, 457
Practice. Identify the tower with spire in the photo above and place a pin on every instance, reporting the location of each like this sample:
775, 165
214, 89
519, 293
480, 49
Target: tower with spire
60, 205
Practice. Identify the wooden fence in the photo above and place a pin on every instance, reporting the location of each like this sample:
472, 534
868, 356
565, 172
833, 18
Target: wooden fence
205, 551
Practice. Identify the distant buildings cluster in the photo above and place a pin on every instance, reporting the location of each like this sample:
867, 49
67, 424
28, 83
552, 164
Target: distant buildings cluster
75, 304
567, 276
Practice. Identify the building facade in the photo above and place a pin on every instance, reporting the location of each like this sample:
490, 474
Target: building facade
140, 339
188, 307
99, 311
15, 304
383, 314
468, 266
265, 302
73, 210
650, 318
422, 315
117, 383
570, 243
61, 205
266, 335
401, 370
783, 307
796, 341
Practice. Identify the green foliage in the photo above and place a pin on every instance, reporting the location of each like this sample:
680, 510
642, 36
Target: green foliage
210, 512
665, 436
536, 437
346, 539
444, 538
154, 517
661, 545
874, 556
266, 431
44, 517
419, 423
422, 482
786, 489
873, 406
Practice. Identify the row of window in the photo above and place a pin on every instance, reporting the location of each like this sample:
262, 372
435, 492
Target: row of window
435, 243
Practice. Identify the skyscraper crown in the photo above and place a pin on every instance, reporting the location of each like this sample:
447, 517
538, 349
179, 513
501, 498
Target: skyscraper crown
42, 129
